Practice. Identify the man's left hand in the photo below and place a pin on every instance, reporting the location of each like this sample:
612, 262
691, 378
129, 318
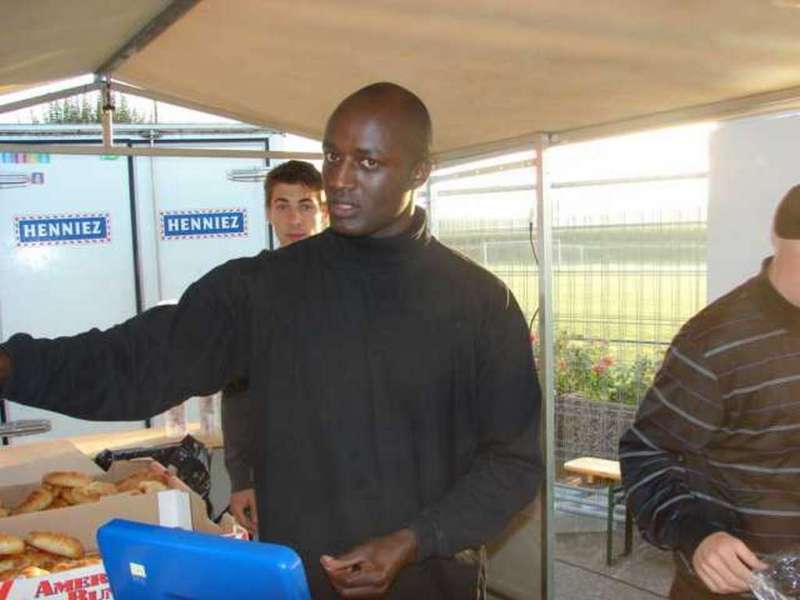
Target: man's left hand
368, 570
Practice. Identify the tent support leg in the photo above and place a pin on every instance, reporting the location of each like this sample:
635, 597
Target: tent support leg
544, 245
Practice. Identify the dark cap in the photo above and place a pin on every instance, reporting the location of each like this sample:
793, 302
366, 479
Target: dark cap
787, 217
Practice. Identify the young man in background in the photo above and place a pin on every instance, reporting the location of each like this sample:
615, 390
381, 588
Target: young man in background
296, 209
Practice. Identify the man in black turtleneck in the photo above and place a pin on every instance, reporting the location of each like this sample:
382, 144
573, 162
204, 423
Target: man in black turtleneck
415, 439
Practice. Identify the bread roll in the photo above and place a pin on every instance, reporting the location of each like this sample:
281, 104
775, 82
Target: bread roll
63, 566
88, 493
57, 490
132, 481
89, 560
76, 564
29, 572
71, 479
58, 503
37, 500
74, 496
17, 561
56, 543
11, 544
147, 487
79, 496
39, 558
66, 496
100, 488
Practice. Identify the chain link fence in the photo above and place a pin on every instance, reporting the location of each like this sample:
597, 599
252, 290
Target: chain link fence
629, 262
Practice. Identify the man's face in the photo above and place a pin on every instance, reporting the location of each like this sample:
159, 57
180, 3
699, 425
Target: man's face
369, 172
295, 212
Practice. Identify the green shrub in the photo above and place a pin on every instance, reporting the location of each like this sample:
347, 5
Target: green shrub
588, 368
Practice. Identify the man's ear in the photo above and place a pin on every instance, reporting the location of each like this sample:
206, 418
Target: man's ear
420, 173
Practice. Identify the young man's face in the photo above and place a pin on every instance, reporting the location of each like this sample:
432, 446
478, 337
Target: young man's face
295, 211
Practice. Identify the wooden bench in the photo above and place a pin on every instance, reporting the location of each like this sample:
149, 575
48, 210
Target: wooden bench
607, 472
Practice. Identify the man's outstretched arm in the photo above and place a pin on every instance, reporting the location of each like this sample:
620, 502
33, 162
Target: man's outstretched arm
141, 367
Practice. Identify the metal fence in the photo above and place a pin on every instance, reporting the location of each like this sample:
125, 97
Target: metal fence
629, 286
625, 278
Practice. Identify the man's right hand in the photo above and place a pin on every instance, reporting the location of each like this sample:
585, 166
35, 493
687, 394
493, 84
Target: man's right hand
725, 564
243, 507
5, 368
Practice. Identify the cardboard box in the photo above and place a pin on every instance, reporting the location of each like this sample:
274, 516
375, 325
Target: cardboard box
27, 464
173, 508
88, 583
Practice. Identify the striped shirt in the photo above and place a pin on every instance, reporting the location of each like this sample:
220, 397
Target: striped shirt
715, 443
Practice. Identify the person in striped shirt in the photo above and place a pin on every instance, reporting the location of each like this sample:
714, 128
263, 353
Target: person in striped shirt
711, 465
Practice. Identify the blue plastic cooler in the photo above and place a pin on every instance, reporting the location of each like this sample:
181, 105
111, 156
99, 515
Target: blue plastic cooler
148, 562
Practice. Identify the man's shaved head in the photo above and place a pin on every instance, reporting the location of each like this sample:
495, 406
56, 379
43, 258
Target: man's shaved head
377, 152
404, 105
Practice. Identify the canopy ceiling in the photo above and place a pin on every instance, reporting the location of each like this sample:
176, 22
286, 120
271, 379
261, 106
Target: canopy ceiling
489, 71
44, 40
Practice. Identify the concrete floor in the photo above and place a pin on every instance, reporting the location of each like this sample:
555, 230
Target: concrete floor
573, 583
581, 570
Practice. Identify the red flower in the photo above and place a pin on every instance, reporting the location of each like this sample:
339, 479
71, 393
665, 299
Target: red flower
600, 368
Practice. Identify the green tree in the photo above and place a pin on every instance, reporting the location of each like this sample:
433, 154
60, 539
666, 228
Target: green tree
84, 109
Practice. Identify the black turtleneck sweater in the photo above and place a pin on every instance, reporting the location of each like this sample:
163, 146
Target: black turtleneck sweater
394, 382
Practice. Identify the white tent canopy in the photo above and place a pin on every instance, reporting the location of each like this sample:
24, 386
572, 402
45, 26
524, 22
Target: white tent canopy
46, 40
491, 72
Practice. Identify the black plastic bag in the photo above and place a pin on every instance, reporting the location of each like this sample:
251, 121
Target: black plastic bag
189, 459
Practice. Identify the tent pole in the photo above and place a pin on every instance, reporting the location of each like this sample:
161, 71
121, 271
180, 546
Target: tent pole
49, 97
88, 150
158, 25
108, 116
544, 245
220, 111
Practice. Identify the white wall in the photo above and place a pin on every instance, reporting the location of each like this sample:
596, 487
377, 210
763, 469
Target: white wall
754, 162
170, 184
44, 289
54, 290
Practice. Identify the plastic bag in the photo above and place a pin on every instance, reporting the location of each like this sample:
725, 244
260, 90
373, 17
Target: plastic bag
189, 459
781, 580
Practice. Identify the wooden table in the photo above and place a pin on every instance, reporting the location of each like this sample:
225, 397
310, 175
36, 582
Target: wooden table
608, 471
92, 443
592, 468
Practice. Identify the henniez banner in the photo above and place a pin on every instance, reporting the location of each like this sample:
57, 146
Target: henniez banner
203, 223
64, 229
